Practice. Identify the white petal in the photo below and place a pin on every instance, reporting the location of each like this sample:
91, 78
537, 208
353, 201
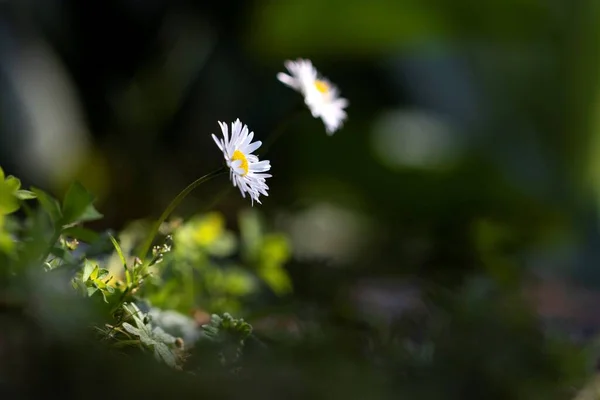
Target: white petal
236, 128
236, 164
341, 103
244, 135
288, 80
224, 129
218, 142
245, 140
260, 166
252, 147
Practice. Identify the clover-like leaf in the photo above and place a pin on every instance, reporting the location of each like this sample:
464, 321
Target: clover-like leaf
160, 335
155, 339
131, 329
162, 351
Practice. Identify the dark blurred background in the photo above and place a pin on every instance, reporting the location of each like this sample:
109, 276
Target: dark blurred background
467, 164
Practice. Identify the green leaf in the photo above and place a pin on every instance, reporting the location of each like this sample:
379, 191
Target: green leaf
277, 279
81, 234
119, 251
49, 204
63, 254
162, 351
144, 334
160, 335
131, 329
104, 296
6, 243
13, 183
102, 273
94, 274
78, 205
91, 290
8, 203
128, 278
25, 195
87, 270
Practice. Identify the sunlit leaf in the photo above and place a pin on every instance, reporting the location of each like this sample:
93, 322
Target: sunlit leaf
102, 273
277, 279
78, 205
25, 195
13, 183
87, 270
119, 251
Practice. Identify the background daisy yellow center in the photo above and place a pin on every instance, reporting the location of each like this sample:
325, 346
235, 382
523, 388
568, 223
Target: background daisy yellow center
238, 155
322, 86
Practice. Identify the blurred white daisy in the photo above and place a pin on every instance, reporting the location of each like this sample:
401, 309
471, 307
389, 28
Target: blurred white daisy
320, 95
245, 171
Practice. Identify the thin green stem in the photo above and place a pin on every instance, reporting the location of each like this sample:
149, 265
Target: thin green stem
277, 132
143, 249
280, 128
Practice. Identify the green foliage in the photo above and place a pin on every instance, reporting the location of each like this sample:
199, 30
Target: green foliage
205, 268
151, 338
230, 334
198, 266
49, 204
267, 252
225, 327
211, 268
11, 195
96, 279
78, 206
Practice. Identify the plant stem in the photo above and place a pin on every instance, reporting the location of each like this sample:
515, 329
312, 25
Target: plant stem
143, 249
280, 128
277, 132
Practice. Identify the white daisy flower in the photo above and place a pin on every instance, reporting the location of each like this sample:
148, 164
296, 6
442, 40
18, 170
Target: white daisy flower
320, 95
245, 171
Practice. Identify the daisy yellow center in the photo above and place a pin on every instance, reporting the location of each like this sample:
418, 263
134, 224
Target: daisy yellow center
238, 155
322, 86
